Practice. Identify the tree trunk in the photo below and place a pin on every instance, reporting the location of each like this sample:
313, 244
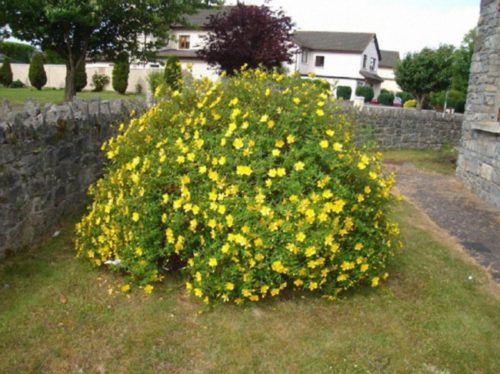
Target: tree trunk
420, 102
70, 87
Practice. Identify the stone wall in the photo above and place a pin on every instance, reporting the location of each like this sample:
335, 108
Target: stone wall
407, 128
479, 158
48, 158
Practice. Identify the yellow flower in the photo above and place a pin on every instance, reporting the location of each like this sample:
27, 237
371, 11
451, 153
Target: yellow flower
281, 172
229, 220
243, 170
165, 198
212, 262
276, 152
375, 281
299, 166
125, 288
342, 277
367, 189
264, 118
358, 246
323, 144
298, 282
259, 257
310, 251
229, 286
278, 267
268, 92
313, 286
337, 147
225, 248
198, 292
320, 112
272, 173
290, 139
364, 268
279, 143
135, 216
296, 100
148, 289
138, 251
300, 237
238, 143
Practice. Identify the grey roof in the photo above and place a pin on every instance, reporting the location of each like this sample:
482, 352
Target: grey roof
199, 19
181, 53
389, 59
333, 41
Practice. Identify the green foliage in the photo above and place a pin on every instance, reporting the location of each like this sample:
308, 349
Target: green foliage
405, 96
386, 97
344, 92
173, 73
155, 79
17, 52
412, 103
17, 84
455, 100
425, 72
99, 81
121, 70
322, 84
6, 73
462, 59
52, 57
36, 74
366, 92
81, 77
76, 29
251, 185
138, 88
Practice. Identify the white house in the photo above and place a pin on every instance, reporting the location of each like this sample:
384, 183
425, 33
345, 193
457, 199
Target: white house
187, 38
341, 58
386, 70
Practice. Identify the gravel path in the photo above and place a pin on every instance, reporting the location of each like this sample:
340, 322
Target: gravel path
455, 209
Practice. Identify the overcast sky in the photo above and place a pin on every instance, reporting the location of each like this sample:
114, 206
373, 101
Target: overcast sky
401, 25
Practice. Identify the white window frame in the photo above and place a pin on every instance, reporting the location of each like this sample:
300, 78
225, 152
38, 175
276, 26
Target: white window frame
187, 39
373, 62
304, 56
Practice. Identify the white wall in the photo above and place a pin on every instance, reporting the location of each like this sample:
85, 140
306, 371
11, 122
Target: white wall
56, 74
371, 52
389, 82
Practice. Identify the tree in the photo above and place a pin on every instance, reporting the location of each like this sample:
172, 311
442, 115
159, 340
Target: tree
36, 73
173, 73
462, 60
425, 72
75, 29
6, 73
248, 34
17, 52
120, 73
81, 78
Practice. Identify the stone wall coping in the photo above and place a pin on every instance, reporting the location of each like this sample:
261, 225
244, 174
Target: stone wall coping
486, 126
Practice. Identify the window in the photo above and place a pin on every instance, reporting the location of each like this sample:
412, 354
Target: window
184, 42
365, 58
372, 63
320, 61
304, 57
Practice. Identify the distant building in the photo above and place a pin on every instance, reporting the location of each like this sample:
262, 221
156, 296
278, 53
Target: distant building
386, 70
187, 38
341, 58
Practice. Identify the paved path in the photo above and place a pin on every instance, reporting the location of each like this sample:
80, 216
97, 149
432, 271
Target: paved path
455, 209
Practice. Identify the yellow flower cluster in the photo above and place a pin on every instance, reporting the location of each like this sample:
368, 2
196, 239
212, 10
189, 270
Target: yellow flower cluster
251, 184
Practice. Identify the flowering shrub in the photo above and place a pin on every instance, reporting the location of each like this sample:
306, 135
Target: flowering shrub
251, 185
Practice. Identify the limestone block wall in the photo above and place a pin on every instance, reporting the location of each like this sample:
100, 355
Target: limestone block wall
479, 159
407, 128
48, 158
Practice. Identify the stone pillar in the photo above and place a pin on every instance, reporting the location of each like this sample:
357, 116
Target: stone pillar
479, 158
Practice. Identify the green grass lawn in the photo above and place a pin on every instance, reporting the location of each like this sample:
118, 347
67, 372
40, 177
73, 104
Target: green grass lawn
438, 313
17, 96
440, 160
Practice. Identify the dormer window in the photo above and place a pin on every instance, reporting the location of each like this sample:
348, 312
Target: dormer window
184, 42
373, 61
